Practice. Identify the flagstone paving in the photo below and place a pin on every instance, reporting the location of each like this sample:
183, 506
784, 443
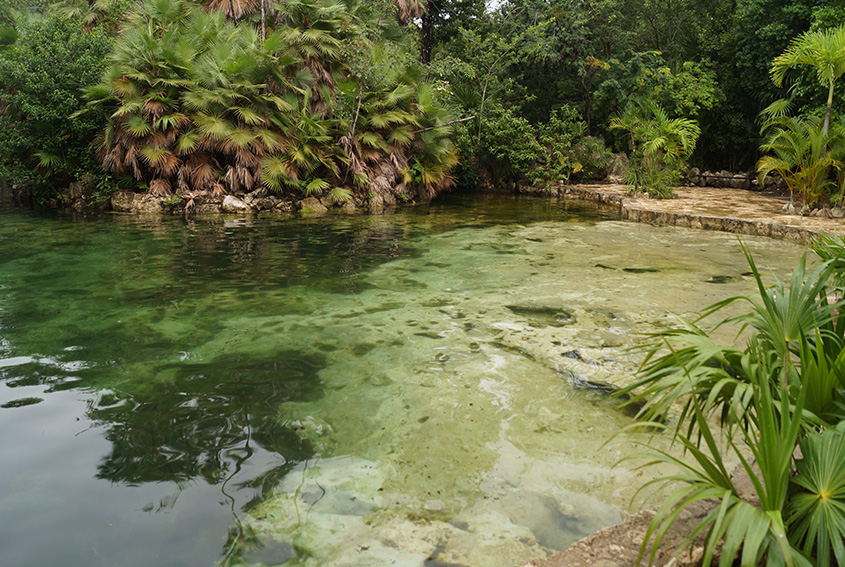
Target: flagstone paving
710, 208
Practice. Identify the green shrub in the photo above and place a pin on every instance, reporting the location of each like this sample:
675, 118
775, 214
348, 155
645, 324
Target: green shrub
512, 149
659, 145
41, 78
594, 157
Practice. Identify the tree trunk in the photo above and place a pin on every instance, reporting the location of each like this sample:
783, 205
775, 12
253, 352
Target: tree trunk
427, 32
827, 110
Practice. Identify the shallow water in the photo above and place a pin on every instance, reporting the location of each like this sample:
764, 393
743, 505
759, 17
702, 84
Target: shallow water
406, 389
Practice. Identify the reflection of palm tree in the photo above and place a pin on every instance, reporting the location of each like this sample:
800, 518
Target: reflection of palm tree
823, 51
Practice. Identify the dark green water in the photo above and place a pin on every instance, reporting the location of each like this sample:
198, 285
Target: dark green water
160, 378
121, 448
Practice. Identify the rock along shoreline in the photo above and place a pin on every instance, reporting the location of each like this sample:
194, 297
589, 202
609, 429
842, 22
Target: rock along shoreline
739, 211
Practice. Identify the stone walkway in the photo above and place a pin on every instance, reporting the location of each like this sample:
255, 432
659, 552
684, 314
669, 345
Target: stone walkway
710, 208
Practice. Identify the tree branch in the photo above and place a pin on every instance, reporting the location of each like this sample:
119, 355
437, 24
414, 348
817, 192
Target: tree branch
444, 124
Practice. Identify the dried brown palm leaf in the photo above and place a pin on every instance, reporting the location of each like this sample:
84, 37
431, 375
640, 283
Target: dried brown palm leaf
371, 155
399, 159
169, 164
154, 108
239, 179
183, 178
244, 157
217, 190
407, 10
234, 9
203, 172
131, 160
113, 160
158, 139
160, 187
190, 198
209, 144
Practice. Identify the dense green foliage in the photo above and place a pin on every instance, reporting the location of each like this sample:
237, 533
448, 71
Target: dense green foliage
530, 91
659, 146
41, 79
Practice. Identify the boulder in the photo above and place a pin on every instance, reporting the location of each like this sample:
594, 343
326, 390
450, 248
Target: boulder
204, 209
121, 201
281, 206
128, 202
232, 204
311, 206
739, 181
693, 176
263, 204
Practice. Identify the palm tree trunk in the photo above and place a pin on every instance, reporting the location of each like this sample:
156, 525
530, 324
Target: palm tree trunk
827, 110
263, 23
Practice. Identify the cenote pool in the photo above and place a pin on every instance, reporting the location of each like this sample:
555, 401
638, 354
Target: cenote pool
406, 389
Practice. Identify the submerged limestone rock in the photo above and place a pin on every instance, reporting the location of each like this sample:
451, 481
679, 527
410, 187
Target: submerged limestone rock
334, 511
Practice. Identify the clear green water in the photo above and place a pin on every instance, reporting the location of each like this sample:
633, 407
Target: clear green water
406, 389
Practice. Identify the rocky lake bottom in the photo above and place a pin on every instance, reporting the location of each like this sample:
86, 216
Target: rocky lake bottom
421, 388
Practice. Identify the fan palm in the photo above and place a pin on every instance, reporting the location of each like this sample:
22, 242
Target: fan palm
399, 142
311, 33
91, 12
201, 104
192, 109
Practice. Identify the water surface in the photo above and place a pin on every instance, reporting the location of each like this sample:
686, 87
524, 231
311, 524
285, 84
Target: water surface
403, 389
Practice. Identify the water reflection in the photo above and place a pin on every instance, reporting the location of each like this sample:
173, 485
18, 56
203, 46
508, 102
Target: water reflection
205, 419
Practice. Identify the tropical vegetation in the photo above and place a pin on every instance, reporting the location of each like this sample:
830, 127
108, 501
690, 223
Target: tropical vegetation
346, 99
659, 146
775, 406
